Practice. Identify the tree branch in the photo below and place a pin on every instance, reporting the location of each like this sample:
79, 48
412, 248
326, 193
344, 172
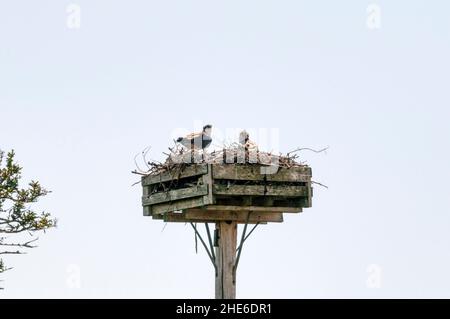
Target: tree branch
24, 245
12, 253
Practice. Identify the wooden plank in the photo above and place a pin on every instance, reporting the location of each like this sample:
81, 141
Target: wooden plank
261, 190
293, 174
237, 172
188, 171
178, 205
253, 209
175, 195
171, 218
180, 218
253, 172
238, 217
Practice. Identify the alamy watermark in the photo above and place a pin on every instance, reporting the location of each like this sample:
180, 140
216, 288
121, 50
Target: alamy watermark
73, 18
373, 21
375, 276
73, 279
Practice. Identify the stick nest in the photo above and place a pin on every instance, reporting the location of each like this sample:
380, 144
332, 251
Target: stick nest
179, 157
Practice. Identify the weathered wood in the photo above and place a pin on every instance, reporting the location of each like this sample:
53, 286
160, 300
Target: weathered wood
256, 209
208, 182
263, 197
178, 218
145, 191
147, 211
253, 208
241, 217
293, 174
261, 190
310, 195
225, 260
188, 171
253, 173
237, 172
175, 195
178, 205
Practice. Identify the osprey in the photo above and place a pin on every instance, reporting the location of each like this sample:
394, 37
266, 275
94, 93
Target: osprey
197, 141
244, 140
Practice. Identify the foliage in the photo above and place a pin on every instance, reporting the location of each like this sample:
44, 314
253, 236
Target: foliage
16, 214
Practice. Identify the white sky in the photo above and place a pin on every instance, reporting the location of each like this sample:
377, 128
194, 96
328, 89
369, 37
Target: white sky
77, 105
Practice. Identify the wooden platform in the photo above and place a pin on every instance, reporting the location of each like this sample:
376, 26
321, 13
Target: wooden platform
227, 192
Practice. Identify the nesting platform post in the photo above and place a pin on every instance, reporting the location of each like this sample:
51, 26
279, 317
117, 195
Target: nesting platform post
226, 195
226, 260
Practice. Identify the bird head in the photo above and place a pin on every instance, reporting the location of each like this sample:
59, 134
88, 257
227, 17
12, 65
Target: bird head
207, 129
244, 137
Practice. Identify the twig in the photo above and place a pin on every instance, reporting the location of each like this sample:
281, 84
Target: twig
144, 155
320, 184
138, 182
138, 173
308, 149
137, 166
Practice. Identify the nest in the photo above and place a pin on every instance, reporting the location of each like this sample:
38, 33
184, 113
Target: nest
179, 158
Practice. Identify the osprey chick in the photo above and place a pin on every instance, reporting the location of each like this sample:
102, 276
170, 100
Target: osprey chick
244, 140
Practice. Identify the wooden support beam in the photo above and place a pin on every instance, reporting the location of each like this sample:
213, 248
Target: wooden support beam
310, 195
201, 216
194, 203
253, 209
178, 218
225, 260
208, 182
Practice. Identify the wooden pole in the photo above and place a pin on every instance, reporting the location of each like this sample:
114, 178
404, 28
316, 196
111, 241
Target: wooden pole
225, 260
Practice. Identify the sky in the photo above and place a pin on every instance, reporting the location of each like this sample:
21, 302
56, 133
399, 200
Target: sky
86, 85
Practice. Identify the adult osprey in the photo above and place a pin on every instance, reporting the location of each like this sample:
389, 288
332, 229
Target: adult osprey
197, 141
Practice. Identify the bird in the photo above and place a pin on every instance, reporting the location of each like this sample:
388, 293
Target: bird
197, 141
244, 140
